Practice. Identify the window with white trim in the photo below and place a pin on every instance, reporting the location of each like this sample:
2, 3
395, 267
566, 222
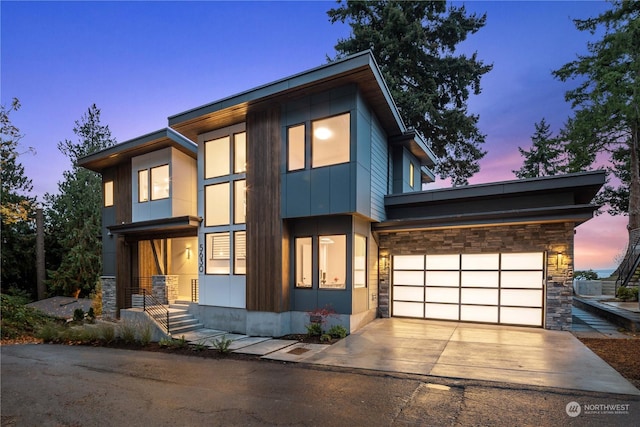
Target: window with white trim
218, 253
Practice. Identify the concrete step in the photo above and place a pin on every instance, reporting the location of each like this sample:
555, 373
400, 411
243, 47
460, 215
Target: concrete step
176, 331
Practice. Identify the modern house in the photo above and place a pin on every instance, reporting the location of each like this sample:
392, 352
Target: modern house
308, 192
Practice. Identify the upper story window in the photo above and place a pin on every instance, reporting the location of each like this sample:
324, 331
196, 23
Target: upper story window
108, 193
330, 140
217, 155
411, 175
330, 143
159, 183
296, 148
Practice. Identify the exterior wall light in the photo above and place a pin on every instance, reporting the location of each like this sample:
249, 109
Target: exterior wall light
188, 251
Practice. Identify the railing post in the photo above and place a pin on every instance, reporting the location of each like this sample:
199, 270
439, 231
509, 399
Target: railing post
144, 300
168, 331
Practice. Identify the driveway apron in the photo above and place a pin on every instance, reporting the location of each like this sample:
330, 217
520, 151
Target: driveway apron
508, 354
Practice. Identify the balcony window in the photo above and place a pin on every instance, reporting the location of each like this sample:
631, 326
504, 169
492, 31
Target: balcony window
330, 140
108, 194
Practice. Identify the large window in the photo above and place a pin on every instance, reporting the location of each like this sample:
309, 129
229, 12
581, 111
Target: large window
239, 202
296, 148
240, 252
108, 193
216, 204
360, 262
332, 261
216, 157
160, 182
218, 253
330, 140
303, 270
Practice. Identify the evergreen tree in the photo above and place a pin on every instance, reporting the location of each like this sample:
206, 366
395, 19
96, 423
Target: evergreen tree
415, 45
543, 159
74, 215
606, 104
16, 210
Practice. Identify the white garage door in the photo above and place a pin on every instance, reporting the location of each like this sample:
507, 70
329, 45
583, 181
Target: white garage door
502, 288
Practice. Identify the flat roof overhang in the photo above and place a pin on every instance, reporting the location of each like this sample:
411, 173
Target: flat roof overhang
182, 226
575, 214
359, 68
562, 198
124, 151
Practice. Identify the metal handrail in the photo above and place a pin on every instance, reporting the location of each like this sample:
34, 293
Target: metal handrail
194, 290
156, 310
631, 260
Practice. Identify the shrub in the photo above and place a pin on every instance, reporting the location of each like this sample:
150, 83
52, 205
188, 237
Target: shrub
107, 333
146, 333
627, 293
222, 344
325, 338
127, 332
314, 329
49, 332
96, 298
19, 320
91, 315
338, 331
78, 315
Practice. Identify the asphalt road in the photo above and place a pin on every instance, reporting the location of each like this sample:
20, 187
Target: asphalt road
56, 385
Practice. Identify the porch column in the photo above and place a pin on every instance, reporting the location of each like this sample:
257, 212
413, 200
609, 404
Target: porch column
109, 303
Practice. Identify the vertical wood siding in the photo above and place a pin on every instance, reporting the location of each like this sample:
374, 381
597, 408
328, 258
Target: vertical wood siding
267, 279
122, 203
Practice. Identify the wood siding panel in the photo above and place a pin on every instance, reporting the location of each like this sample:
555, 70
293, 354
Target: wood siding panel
267, 278
122, 204
379, 172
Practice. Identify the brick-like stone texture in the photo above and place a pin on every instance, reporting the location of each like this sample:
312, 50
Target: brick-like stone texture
551, 238
109, 304
165, 288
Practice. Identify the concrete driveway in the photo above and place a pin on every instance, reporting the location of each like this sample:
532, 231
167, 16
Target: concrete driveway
473, 351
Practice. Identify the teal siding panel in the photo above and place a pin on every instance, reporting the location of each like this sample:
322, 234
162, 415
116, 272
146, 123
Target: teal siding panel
297, 194
379, 171
340, 189
321, 191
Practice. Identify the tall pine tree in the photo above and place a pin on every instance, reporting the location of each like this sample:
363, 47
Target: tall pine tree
606, 104
74, 215
17, 209
543, 159
415, 45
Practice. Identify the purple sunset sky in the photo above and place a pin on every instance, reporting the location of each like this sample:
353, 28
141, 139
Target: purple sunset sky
141, 62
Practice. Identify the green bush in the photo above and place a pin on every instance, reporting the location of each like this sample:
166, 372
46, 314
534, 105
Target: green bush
337, 331
107, 333
18, 320
49, 332
314, 329
127, 332
222, 344
627, 293
78, 315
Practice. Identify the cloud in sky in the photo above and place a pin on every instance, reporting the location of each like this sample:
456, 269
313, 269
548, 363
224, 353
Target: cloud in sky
141, 62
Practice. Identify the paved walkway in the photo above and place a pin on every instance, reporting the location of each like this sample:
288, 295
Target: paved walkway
588, 325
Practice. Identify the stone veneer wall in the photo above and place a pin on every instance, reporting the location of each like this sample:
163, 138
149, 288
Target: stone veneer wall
552, 238
165, 288
109, 304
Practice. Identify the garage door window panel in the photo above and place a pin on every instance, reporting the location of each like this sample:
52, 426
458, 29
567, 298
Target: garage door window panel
409, 293
521, 297
408, 309
480, 279
479, 296
443, 278
445, 295
521, 316
478, 313
408, 277
442, 311
408, 262
521, 279
522, 261
443, 262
